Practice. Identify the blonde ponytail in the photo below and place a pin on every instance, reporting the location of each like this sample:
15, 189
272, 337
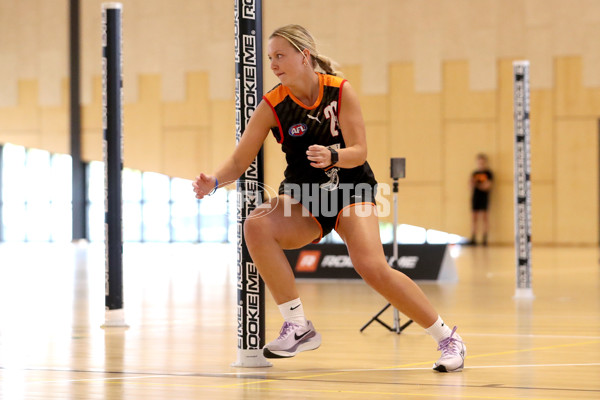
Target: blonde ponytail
326, 64
301, 39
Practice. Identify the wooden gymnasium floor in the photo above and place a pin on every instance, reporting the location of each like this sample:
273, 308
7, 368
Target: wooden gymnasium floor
180, 307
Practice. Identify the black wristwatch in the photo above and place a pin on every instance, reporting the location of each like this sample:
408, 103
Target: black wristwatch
335, 157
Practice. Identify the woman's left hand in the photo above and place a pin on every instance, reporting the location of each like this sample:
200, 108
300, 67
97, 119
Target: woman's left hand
319, 155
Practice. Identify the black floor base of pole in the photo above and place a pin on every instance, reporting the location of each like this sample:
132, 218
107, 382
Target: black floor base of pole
397, 329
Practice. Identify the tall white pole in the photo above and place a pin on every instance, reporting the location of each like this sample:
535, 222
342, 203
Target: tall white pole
522, 180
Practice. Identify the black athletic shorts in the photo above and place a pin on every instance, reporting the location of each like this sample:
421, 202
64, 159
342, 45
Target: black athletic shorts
480, 201
326, 206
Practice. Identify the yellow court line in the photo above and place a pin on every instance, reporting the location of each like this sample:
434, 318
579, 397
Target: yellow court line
437, 395
336, 391
557, 346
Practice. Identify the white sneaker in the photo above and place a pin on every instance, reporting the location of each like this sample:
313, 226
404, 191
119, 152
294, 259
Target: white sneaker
453, 356
293, 339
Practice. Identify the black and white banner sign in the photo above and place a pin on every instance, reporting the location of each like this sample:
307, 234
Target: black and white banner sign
428, 262
248, 93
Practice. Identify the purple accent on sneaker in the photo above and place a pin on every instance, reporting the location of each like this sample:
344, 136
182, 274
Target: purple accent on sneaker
446, 347
287, 327
453, 354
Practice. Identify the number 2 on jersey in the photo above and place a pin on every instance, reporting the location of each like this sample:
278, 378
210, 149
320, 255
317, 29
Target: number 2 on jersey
330, 113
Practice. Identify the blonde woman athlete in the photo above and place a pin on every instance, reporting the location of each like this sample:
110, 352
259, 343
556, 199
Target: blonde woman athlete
328, 185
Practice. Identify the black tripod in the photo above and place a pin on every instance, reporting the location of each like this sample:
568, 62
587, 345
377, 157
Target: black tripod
397, 171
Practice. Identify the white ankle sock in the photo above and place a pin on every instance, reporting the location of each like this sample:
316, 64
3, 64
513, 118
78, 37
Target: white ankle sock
439, 330
292, 311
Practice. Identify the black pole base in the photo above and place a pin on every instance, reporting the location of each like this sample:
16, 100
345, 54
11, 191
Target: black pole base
398, 330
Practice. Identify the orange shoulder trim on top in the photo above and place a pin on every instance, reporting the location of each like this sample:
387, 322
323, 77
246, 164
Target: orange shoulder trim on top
334, 81
276, 95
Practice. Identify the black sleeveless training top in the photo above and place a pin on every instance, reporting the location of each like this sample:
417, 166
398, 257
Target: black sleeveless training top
299, 127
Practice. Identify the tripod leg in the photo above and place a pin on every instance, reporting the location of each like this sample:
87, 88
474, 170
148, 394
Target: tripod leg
403, 327
376, 318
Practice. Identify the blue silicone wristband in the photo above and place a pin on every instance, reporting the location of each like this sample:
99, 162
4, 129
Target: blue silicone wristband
216, 187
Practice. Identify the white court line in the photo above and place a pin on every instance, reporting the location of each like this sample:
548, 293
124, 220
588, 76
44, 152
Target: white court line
516, 335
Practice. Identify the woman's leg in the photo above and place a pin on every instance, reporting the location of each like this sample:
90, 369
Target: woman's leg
359, 228
272, 227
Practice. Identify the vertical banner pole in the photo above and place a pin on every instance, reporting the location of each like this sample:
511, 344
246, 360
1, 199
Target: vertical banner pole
522, 180
248, 93
78, 179
112, 124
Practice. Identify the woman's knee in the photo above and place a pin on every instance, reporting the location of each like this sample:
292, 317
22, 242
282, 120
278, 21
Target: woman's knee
256, 226
374, 273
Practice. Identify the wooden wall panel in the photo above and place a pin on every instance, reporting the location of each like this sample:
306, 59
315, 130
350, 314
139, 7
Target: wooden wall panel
503, 165
422, 143
8, 85
375, 109
184, 153
572, 98
195, 110
502, 213
482, 59
54, 132
54, 124
577, 181
91, 145
379, 151
542, 136
543, 212
428, 60
25, 116
91, 124
29, 139
420, 205
416, 126
20, 124
142, 130
91, 113
459, 101
353, 73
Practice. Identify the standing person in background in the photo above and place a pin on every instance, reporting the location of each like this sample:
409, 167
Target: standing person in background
481, 185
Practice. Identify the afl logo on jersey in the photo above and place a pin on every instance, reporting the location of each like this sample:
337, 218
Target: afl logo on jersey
297, 130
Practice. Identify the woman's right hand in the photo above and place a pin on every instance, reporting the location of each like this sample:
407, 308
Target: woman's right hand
204, 184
